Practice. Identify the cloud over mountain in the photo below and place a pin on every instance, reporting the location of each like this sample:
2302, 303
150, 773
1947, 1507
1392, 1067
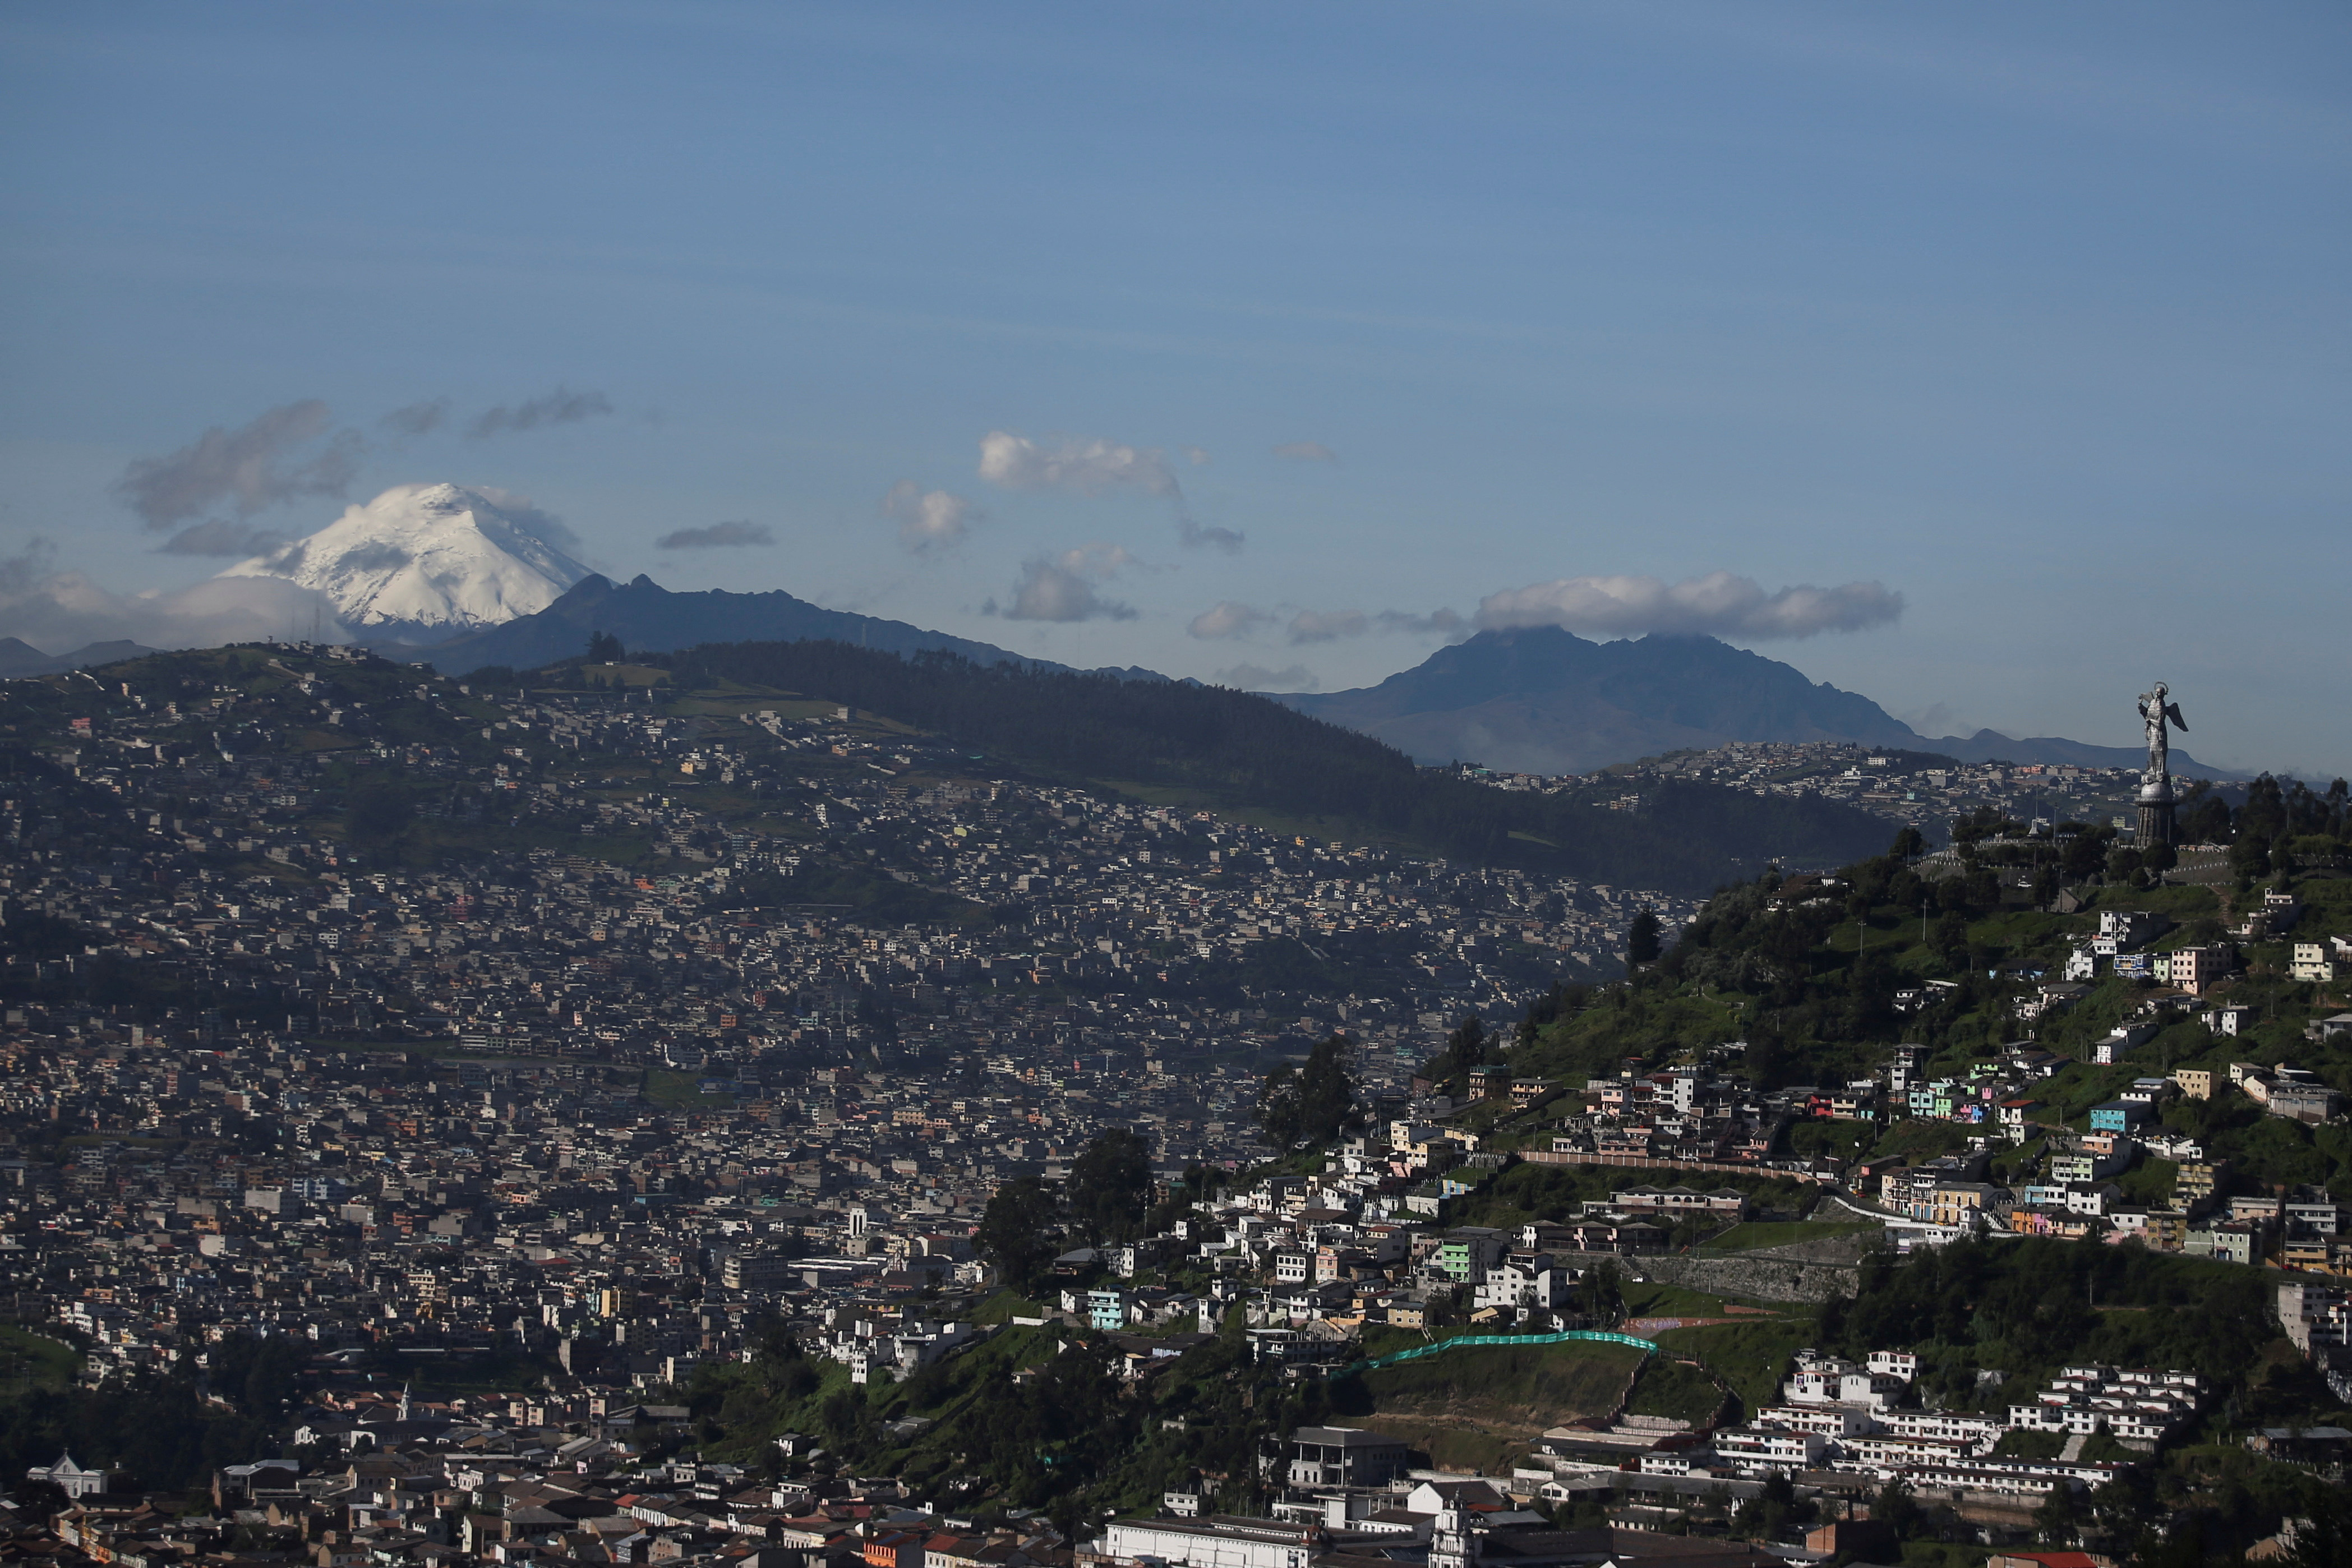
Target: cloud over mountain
417, 418
280, 456
1257, 678
1717, 604
1316, 626
717, 536
1226, 618
927, 519
1306, 452
61, 611
562, 406
1063, 587
1091, 465
221, 537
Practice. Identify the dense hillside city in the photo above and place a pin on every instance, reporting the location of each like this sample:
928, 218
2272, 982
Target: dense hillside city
1173, 786
623, 1112
1923, 789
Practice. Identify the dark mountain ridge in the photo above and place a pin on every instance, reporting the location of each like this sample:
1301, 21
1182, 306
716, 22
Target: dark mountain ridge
650, 618
1543, 700
1209, 745
1531, 699
18, 656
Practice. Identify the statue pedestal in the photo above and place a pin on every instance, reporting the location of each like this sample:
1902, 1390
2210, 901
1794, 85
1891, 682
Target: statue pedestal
2156, 826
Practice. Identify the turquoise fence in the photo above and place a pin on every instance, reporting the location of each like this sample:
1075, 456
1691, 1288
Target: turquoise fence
1465, 1341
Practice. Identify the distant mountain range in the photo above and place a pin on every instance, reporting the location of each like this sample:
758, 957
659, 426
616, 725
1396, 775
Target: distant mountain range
649, 618
1531, 699
472, 577
1538, 700
20, 657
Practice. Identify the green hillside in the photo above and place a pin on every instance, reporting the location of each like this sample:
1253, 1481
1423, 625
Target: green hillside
1820, 979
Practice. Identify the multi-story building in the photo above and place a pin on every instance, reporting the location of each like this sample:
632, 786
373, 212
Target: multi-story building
1345, 1456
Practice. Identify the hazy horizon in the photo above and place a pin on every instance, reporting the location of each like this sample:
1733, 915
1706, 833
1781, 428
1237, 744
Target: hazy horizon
1987, 363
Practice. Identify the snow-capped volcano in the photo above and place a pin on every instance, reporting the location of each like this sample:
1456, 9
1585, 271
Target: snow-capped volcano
433, 556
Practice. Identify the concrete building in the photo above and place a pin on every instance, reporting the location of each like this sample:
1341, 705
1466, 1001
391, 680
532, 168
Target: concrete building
1345, 1456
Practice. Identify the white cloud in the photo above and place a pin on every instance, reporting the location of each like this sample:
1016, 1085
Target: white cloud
1090, 465
1062, 587
1257, 678
1717, 604
927, 519
1197, 456
252, 467
1226, 618
1306, 452
59, 613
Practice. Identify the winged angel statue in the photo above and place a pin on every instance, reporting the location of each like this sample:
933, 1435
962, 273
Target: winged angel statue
2156, 714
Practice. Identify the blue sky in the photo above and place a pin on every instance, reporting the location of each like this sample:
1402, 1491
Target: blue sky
2032, 315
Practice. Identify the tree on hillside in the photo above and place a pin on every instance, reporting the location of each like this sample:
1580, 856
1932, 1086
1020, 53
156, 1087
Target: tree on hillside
2081, 856
1642, 938
1563, 999
1896, 1507
2250, 856
1017, 1232
603, 647
2203, 817
1109, 1189
1767, 1516
1310, 1104
1604, 1293
1465, 1053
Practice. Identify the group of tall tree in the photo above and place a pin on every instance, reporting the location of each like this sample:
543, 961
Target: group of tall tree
1106, 1198
1311, 1103
1467, 1049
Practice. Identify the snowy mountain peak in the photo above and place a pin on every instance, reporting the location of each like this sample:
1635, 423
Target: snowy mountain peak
431, 556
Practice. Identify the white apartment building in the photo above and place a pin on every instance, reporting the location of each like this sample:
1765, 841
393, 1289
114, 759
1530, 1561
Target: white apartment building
2136, 1405
1754, 1449
1833, 1380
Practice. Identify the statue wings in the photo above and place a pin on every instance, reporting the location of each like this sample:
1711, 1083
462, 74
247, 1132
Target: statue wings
2172, 711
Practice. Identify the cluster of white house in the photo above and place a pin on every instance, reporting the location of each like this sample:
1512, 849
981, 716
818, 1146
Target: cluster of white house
1844, 1416
886, 1346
